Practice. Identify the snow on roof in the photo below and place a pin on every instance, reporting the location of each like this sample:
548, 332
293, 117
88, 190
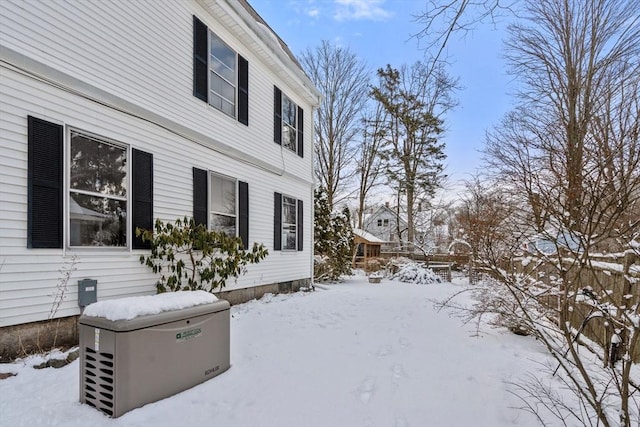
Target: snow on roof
367, 236
132, 307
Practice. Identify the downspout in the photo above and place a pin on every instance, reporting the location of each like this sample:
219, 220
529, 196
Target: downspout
313, 186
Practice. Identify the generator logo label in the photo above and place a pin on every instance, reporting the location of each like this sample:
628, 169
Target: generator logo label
187, 335
212, 370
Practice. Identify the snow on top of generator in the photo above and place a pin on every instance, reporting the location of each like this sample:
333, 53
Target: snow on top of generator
132, 307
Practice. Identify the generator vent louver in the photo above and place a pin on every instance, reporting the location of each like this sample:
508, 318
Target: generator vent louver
99, 380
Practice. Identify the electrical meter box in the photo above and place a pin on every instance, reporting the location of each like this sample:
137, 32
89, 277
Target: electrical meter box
126, 364
87, 292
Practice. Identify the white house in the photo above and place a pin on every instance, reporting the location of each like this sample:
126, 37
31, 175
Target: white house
383, 224
115, 113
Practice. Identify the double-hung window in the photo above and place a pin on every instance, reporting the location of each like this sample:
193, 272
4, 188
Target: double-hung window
107, 193
222, 204
220, 74
288, 122
287, 224
98, 203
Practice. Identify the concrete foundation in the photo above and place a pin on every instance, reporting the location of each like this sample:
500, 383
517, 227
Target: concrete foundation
238, 296
37, 337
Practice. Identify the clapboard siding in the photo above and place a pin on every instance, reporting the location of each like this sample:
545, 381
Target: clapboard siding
153, 72
154, 67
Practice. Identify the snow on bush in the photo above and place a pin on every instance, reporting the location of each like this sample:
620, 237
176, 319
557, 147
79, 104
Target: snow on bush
412, 272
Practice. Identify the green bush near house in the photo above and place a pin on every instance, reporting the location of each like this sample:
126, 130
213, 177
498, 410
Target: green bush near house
333, 240
188, 256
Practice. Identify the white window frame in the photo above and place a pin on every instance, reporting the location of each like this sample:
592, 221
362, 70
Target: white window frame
213, 94
68, 191
211, 211
289, 225
289, 126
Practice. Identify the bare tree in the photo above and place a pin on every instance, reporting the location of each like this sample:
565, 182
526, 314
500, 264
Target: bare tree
441, 20
571, 153
415, 99
343, 80
368, 156
484, 216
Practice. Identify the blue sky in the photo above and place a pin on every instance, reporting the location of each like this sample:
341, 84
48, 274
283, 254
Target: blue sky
380, 32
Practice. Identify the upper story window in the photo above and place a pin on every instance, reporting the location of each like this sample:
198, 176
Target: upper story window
98, 196
220, 74
288, 123
222, 80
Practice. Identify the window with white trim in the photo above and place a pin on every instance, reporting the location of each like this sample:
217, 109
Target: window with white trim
289, 124
222, 75
92, 205
98, 197
222, 204
289, 223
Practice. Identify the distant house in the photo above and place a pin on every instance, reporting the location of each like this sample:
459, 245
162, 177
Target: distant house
383, 224
115, 114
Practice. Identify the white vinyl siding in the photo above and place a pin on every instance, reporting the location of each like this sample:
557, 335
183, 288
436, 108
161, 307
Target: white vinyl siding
144, 54
36, 271
140, 52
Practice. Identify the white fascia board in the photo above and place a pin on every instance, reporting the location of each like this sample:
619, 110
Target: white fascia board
263, 35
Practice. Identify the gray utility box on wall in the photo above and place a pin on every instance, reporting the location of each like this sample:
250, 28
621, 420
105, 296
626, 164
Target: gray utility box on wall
125, 364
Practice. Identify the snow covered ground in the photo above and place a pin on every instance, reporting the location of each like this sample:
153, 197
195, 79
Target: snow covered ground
353, 354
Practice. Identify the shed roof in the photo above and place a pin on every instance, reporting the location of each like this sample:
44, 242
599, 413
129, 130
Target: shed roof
365, 235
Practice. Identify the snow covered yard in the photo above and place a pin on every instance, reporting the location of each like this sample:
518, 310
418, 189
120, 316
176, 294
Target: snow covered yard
353, 354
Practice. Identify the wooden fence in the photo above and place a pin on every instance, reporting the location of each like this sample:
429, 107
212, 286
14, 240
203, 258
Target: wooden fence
622, 289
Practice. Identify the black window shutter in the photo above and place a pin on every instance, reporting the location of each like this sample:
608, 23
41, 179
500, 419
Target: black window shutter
200, 197
44, 184
277, 115
277, 221
243, 213
200, 48
299, 225
243, 91
300, 132
142, 194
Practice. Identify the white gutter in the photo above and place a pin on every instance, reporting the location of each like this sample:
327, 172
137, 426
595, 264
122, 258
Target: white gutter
270, 41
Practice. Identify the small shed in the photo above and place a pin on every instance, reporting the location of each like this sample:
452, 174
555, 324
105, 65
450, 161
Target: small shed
367, 246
